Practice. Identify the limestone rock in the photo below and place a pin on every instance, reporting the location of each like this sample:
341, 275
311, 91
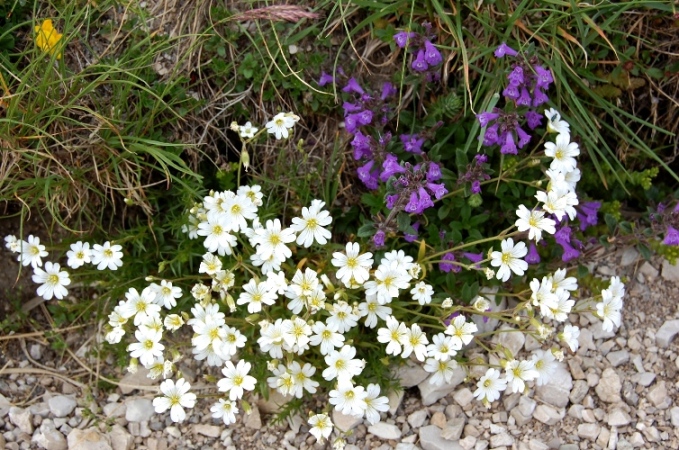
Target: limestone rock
385, 430
22, 418
589, 431
558, 389
670, 272
132, 381
120, 438
666, 333
417, 418
345, 422
139, 409
207, 430
547, 415
659, 396
49, 438
609, 386
61, 405
89, 439
430, 393
411, 374
431, 439
253, 420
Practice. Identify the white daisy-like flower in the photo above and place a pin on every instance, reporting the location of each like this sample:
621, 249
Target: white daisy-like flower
247, 131
401, 260
374, 404
236, 379
371, 310
254, 193
237, 210
609, 309
272, 240
569, 336
342, 365
255, 294
561, 281
148, 346
280, 124
349, 399
140, 305
217, 236
415, 342
79, 254
271, 338
518, 372
115, 335
554, 122
326, 337
422, 292
176, 398
394, 335
31, 252
321, 426
563, 151
509, 259
442, 370
310, 226
545, 365
563, 181
559, 202
173, 322
302, 376
233, 340
388, 281
534, 222
225, 410
12, 243
617, 288
52, 281
167, 294
107, 256
353, 267
441, 348
211, 264
461, 332
342, 315
542, 294
560, 311
489, 387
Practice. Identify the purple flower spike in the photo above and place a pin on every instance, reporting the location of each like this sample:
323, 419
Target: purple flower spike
351, 123
353, 86
420, 64
569, 253
516, 77
439, 190
671, 236
539, 97
445, 267
476, 187
432, 54
533, 119
544, 77
361, 145
391, 167
412, 143
391, 200
402, 38
413, 203
503, 50
425, 199
524, 138
351, 107
388, 90
433, 172
365, 117
563, 236
473, 257
524, 99
480, 159
511, 91
509, 147
378, 239
485, 118
326, 79
532, 257
491, 137
367, 175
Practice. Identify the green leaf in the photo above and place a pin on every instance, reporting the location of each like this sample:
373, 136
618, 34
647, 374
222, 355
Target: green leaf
403, 221
366, 230
611, 221
443, 211
583, 271
644, 251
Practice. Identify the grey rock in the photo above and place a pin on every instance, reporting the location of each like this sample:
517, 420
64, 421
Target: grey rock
618, 418
604, 436
274, 403
89, 439
139, 409
468, 442
644, 379
580, 389
132, 381
41, 409
61, 405
254, 419
463, 397
547, 415
49, 438
569, 447
618, 358
345, 422
22, 418
385, 431
666, 333
511, 340
410, 374
431, 439
501, 439
4, 406
599, 333
120, 438
609, 386
416, 419
404, 446
629, 256
430, 393
35, 350
534, 444
585, 341
453, 429
173, 431
629, 394
207, 430
674, 416
589, 431
648, 270
115, 409
526, 406
669, 272
558, 389
659, 397
395, 398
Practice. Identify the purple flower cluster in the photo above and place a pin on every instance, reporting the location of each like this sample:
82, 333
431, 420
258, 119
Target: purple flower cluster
426, 55
413, 185
475, 173
450, 256
667, 221
528, 80
587, 217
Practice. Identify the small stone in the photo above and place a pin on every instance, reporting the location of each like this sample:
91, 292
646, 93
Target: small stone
402, 446
659, 397
674, 416
453, 429
275, 402
534, 444
463, 397
385, 431
89, 439
253, 420
629, 256
547, 414
345, 422
468, 443
618, 418
132, 381
173, 431
609, 386
511, 341
416, 419
585, 341
588, 416
526, 406
666, 333
452, 411
637, 440
576, 370
49, 438
35, 351
569, 447
411, 374
645, 379
207, 430
22, 418
395, 398
669, 272
431, 439
430, 393
604, 436
115, 409
648, 270
618, 358
589, 431
139, 409
61, 405
120, 438
499, 440
558, 389
599, 333
580, 389
438, 419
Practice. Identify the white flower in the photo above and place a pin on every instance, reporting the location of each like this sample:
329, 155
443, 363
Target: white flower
211, 264
236, 379
107, 256
236, 210
326, 336
489, 387
79, 254
422, 292
254, 193
569, 336
52, 281
302, 377
310, 225
563, 181
416, 342
394, 336
233, 340
371, 310
342, 365
115, 335
461, 331
247, 131
609, 310
255, 294
280, 125
559, 202
271, 338
12, 243
387, 283
481, 304
177, 397
271, 240
349, 399
509, 259
225, 410
321, 426
560, 311
441, 348
166, 294
140, 306
534, 222
617, 288
342, 315
374, 404
545, 364
32, 252
353, 267
300, 333
403, 261
563, 151
277, 282
173, 322
208, 333
301, 287
554, 122
518, 372
443, 370
560, 281
217, 236
542, 294
148, 346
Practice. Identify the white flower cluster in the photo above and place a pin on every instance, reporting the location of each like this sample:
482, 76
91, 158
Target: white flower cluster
52, 279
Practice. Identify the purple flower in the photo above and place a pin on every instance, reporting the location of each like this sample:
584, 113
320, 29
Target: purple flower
509, 147
326, 79
431, 54
351, 123
390, 167
533, 119
524, 99
532, 257
365, 117
388, 90
425, 199
563, 236
516, 77
450, 318
391, 200
420, 64
524, 138
473, 257
445, 267
412, 237
480, 159
490, 137
676, 208
385, 139
588, 216
351, 107
476, 187
569, 253
439, 190
511, 91
378, 239
402, 38
433, 172
361, 145
367, 175
544, 77
412, 143
353, 86
503, 50
485, 118
671, 236
539, 97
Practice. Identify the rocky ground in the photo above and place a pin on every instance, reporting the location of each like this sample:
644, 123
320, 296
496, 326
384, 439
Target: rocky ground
619, 391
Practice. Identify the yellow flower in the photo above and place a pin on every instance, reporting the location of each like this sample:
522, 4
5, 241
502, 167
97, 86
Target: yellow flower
47, 37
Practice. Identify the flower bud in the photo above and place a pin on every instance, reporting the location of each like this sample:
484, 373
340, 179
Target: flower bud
245, 159
481, 304
447, 303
